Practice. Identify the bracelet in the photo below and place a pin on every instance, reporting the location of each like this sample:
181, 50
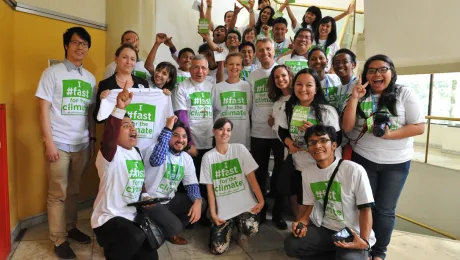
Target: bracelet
92, 139
368, 245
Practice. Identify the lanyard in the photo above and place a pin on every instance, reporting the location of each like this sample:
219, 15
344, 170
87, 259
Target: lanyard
374, 105
280, 48
340, 104
171, 167
246, 73
327, 86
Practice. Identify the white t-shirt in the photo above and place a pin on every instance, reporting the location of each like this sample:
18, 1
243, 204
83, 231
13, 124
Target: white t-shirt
295, 63
349, 189
196, 98
120, 183
245, 72
282, 47
227, 173
385, 151
330, 52
278, 107
182, 76
299, 25
234, 102
212, 76
70, 95
139, 71
332, 88
162, 181
262, 106
300, 114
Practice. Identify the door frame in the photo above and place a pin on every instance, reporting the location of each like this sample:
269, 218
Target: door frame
5, 232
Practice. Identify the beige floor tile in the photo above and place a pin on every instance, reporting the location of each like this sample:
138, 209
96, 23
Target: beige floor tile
38, 232
197, 248
85, 213
283, 233
270, 255
44, 250
410, 247
266, 240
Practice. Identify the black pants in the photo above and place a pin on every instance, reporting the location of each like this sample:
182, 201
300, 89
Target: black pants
122, 239
260, 149
318, 245
172, 217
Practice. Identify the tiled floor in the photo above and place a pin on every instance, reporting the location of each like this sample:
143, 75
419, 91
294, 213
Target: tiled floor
267, 245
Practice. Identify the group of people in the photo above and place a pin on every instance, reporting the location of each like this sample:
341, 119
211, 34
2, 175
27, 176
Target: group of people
299, 101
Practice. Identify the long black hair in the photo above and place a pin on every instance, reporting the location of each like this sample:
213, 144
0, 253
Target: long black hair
332, 37
274, 93
318, 100
317, 12
269, 22
388, 97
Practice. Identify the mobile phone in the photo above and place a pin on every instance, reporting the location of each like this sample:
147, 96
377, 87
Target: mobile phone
148, 202
299, 227
343, 235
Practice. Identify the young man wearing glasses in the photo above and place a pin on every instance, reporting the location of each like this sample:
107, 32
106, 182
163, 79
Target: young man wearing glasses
348, 206
66, 94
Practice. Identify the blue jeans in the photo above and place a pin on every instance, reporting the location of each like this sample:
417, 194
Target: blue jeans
387, 182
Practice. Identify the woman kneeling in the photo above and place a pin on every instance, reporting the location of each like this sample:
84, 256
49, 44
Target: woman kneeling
228, 172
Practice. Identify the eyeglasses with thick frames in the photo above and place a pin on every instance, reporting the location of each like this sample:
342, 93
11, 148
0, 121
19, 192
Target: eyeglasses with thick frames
79, 43
381, 70
320, 141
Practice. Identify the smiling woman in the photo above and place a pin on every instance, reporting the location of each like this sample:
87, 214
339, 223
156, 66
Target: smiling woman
382, 117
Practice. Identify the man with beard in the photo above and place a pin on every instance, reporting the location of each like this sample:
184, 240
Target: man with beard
165, 168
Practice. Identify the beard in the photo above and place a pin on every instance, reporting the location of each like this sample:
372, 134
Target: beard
174, 150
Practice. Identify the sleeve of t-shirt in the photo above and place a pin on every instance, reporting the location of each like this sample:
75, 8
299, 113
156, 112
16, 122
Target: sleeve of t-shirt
180, 99
411, 102
280, 119
332, 118
249, 164
308, 197
205, 170
46, 86
189, 171
363, 191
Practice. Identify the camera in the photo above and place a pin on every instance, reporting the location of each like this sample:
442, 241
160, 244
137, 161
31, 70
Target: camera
381, 121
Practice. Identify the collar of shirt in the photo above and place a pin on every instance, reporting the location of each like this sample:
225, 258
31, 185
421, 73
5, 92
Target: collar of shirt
70, 66
196, 83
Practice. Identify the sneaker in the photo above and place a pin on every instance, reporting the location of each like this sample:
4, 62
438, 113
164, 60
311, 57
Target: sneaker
78, 236
64, 251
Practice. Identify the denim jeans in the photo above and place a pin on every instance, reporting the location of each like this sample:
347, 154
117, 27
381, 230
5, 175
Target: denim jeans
387, 182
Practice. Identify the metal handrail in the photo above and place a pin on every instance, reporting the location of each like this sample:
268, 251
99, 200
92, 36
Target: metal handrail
320, 7
427, 227
443, 118
347, 20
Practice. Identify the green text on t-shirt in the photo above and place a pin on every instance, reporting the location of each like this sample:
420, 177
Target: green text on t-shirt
76, 96
334, 207
140, 74
135, 179
296, 65
261, 93
170, 180
227, 177
143, 117
180, 79
299, 115
235, 103
200, 106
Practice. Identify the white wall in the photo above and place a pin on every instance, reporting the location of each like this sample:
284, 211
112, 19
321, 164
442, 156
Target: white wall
442, 136
93, 10
413, 32
430, 197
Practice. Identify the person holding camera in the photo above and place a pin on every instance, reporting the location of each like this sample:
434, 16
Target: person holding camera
380, 119
336, 217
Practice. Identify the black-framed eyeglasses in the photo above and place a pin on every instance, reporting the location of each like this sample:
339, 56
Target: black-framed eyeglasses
320, 141
84, 44
375, 70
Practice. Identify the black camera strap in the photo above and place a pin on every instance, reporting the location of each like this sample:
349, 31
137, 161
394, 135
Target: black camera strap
326, 196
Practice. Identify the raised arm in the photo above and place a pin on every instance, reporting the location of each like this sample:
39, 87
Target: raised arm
236, 11
350, 10
349, 113
160, 38
208, 14
212, 45
161, 149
